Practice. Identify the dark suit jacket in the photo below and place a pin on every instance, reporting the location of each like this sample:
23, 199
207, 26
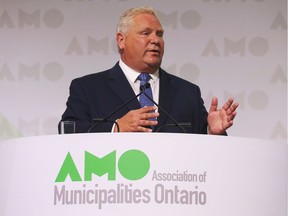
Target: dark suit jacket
97, 95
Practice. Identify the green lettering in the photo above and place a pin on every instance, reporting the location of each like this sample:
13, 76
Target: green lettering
133, 165
68, 168
100, 166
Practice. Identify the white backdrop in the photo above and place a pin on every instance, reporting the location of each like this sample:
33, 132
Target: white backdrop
228, 47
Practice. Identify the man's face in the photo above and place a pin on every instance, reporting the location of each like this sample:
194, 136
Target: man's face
143, 46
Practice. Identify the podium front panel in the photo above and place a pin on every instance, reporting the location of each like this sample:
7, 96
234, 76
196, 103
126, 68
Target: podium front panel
142, 174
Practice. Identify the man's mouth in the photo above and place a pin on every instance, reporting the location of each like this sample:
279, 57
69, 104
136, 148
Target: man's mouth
154, 51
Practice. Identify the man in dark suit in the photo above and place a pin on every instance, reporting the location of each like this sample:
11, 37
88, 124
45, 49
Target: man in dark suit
141, 47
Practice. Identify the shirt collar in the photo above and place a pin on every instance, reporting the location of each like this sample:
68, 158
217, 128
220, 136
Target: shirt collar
132, 75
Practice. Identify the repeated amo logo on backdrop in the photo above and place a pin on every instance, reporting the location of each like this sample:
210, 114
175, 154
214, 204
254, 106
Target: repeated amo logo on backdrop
100, 185
51, 18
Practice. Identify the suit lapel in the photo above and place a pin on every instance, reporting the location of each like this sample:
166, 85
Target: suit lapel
121, 87
167, 94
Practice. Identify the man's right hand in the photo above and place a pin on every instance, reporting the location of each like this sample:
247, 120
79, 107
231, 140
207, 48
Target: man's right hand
138, 120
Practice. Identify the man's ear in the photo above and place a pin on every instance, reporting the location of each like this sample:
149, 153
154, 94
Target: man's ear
120, 38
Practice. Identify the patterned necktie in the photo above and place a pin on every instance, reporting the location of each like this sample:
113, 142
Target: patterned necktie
144, 101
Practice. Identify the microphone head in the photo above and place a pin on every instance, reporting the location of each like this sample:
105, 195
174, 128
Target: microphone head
145, 86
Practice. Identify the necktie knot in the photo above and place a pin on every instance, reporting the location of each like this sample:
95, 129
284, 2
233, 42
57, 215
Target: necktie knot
144, 78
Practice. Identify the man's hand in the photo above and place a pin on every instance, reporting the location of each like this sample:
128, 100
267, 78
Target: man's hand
138, 120
221, 119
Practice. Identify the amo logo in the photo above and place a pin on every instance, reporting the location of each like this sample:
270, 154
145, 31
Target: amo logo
132, 165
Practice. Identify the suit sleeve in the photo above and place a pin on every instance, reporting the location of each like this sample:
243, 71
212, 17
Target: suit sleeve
202, 115
79, 110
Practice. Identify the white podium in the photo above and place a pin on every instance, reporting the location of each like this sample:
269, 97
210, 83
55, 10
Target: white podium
142, 174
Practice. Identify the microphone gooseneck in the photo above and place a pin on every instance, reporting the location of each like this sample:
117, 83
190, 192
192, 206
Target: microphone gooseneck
106, 119
147, 85
142, 91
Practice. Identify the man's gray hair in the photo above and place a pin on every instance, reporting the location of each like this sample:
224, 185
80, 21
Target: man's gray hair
126, 19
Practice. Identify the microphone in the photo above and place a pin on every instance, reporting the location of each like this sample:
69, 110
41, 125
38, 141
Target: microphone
106, 119
147, 85
144, 87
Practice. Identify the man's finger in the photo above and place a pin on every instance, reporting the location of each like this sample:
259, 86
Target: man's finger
147, 109
214, 104
228, 104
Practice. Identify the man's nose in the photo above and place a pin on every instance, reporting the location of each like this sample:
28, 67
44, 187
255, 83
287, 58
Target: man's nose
155, 38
